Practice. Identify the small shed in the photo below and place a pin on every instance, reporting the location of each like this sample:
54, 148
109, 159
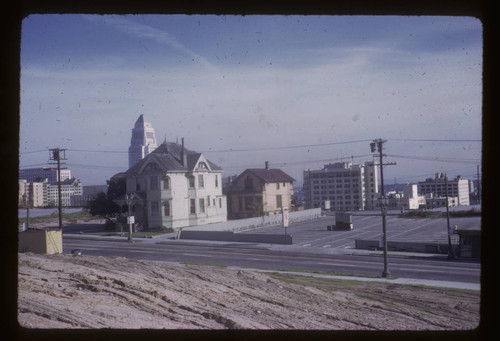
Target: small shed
469, 242
43, 241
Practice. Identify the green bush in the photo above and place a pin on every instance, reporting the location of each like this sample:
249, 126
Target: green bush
420, 214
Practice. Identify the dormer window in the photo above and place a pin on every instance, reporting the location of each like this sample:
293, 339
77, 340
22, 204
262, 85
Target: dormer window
202, 165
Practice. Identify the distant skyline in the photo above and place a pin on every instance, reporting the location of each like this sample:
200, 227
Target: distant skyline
316, 89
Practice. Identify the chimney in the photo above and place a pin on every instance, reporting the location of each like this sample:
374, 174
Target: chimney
267, 164
183, 154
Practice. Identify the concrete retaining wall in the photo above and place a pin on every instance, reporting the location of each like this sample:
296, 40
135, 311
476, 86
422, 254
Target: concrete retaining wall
437, 248
229, 236
256, 222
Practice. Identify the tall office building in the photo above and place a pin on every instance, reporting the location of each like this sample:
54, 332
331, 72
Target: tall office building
143, 141
345, 185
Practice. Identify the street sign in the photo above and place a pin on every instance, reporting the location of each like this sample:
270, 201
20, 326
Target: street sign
130, 220
284, 212
327, 205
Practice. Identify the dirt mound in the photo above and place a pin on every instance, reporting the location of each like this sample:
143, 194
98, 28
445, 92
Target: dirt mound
62, 291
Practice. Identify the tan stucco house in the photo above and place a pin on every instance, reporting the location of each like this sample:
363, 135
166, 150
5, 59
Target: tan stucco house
257, 192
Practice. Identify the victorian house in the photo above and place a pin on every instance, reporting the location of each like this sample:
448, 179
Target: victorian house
174, 187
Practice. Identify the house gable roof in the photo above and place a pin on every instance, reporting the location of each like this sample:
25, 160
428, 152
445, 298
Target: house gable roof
168, 158
268, 175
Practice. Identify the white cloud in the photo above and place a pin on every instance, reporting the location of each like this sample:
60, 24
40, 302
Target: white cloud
138, 30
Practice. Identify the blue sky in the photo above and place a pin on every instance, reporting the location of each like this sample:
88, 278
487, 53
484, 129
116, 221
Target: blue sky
326, 85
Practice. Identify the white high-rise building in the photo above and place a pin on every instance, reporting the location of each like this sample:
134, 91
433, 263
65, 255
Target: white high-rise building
346, 186
143, 141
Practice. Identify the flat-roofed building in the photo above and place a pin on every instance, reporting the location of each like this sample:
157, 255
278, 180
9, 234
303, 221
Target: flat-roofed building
457, 187
346, 186
39, 174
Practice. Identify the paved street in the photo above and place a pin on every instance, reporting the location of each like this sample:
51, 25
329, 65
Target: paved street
268, 257
314, 248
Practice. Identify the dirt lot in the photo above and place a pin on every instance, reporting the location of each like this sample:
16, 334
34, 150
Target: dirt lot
63, 291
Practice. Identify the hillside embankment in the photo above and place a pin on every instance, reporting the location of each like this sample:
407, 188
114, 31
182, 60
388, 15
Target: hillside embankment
64, 291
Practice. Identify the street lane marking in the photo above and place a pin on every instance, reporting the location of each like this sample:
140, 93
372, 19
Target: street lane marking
335, 264
197, 255
326, 245
419, 270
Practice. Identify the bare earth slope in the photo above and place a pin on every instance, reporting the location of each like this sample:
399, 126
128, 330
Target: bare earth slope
62, 291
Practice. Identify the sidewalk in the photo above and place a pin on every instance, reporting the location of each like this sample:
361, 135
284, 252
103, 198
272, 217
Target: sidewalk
407, 281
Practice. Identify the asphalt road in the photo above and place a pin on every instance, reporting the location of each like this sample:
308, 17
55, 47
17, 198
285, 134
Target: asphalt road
262, 256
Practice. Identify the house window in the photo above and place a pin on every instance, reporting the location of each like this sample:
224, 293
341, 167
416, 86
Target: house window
208, 201
240, 203
220, 203
202, 205
216, 180
248, 183
166, 209
191, 181
166, 182
154, 208
192, 206
137, 187
278, 201
153, 182
277, 185
200, 181
249, 203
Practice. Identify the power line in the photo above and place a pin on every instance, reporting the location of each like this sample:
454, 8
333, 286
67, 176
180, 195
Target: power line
34, 165
98, 151
283, 147
272, 148
437, 159
435, 140
94, 166
35, 151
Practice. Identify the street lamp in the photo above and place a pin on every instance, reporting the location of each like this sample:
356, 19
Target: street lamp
128, 199
384, 202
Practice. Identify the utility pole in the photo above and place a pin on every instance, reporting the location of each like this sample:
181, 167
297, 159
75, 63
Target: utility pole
27, 202
129, 198
478, 187
378, 145
450, 251
58, 154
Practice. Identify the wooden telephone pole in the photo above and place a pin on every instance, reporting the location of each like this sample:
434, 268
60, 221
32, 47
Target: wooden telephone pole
377, 145
58, 154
